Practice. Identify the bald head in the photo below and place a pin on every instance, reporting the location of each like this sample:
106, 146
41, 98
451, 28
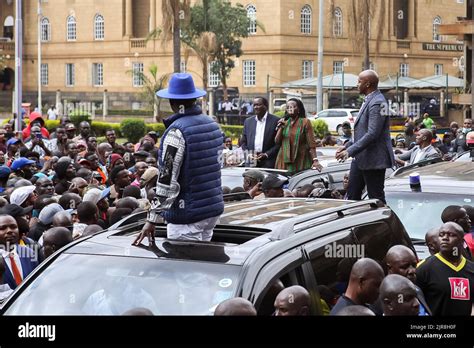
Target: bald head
364, 281
138, 312
425, 136
457, 214
102, 148
62, 219
398, 295
235, 307
55, 238
432, 240
292, 301
371, 76
401, 260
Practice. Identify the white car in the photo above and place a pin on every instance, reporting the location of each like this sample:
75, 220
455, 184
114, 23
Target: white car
335, 117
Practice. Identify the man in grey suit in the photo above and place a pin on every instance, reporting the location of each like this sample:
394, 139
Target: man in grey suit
371, 147
258, 138
424, 150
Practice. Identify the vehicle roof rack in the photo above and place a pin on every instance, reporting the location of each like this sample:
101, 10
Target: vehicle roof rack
287, 229
402, 170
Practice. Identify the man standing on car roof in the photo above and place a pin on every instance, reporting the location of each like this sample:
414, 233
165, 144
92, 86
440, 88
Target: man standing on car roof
371, 146
189, 192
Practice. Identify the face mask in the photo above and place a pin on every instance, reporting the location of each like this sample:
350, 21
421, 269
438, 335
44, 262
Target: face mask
466, 130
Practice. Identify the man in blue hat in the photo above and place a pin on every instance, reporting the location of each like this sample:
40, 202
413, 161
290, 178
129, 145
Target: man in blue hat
188, 192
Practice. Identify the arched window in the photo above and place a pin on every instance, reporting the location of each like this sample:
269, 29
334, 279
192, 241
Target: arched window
99, 29
252, 14
436, 23
8, 26
306, 18
337, 23
71, 28
45, 30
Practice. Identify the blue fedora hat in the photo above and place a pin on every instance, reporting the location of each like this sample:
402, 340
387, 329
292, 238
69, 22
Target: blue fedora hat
181, 86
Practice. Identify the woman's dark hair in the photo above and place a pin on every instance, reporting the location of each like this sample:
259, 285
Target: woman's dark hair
302, 110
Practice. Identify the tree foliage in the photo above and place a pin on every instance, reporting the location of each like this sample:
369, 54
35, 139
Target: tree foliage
151, 84
228, 23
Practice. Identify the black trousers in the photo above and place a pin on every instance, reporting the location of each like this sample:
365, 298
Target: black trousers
359, 179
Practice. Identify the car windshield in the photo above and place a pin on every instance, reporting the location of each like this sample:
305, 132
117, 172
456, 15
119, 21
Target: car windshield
111, 285
420, 212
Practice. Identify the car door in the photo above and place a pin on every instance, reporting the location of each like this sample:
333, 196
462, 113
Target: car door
331, 259
290, 269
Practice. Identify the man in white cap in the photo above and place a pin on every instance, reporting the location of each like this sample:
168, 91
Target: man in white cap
24, 196
189, 191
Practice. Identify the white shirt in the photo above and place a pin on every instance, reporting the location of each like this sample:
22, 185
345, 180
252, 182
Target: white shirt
52, 115
260, 132
420, 154
227, 106
5, 292
6, 256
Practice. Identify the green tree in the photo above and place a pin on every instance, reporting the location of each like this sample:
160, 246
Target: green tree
228, 24
151, 85
360, 23
174, 12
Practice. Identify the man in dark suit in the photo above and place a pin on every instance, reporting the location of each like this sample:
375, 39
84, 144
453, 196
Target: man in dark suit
258, 138
19, 260
371, 147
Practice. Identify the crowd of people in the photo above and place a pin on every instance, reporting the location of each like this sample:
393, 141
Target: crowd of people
58, 187
401, 285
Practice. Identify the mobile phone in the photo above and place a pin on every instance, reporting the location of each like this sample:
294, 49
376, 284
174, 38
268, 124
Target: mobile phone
39, 136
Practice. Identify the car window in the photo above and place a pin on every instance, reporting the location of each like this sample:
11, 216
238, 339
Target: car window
355, 113
285, 268
337, 114
331, 259
421, 211
377, 238
323, 114
110, 285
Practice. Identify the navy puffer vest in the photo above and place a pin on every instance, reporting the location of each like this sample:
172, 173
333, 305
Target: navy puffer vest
200, 195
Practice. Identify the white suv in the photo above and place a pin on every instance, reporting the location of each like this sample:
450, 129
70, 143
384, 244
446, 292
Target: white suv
335, 117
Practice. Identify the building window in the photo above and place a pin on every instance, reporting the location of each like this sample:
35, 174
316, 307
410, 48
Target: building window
306, 19
44, 74
182, 67
338, 67
99, 27
137, 74
337, 24
98, 74
252, 15
436, 23
71, 28
45, 30
249, 73
404, 69
307, 69
438, 68
372, 66
213, 80
70, 75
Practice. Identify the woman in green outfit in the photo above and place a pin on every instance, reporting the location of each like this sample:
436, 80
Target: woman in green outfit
296, 137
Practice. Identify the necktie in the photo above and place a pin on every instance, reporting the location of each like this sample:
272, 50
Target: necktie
15, 270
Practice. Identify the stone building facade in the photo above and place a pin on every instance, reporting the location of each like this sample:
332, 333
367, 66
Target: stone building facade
94, 45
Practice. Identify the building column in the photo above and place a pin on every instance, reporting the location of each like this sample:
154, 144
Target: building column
152, 14
442, 108
59, 106
105, 105
128, 18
